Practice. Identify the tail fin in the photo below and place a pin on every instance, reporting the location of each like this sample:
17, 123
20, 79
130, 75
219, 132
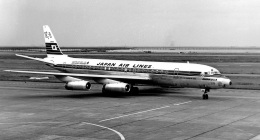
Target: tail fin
52, 47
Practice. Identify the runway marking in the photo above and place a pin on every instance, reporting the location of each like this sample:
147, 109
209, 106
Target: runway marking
82, 123
118, 133
34, 123
256, 138
142, 112
134, 113
182, 103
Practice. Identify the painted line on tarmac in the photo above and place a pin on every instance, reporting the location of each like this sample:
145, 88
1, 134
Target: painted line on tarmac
142, 112
134, 113
82, 123
182, 103
255, 138
118, 133
20, 123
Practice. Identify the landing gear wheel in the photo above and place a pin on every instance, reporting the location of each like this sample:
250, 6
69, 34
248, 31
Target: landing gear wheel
103, 91
205, 96
135, 90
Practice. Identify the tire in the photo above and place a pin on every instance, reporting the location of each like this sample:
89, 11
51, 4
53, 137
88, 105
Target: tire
135, 90
206, 96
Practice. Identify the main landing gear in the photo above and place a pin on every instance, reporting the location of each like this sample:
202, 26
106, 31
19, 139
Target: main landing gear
205, 96
134, 91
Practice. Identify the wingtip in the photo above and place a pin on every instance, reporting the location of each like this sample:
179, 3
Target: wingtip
21, 55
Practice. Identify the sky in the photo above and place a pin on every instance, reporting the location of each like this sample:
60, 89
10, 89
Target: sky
131, 22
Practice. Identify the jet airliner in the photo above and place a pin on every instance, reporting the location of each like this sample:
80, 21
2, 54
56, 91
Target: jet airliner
122, 76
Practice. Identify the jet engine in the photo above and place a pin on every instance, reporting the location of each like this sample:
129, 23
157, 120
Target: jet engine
78, 85
117, 87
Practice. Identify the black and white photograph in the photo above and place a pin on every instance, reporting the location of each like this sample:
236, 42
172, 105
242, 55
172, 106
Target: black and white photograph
129, 70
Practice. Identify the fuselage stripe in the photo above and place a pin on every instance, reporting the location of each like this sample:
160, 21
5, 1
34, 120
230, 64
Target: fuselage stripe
134, 70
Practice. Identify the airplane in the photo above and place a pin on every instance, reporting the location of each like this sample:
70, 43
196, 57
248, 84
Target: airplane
123, 76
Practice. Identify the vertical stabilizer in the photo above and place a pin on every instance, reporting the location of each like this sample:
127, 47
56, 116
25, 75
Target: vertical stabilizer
52, 47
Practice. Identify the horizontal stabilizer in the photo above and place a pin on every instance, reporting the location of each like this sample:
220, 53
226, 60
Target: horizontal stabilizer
33, 58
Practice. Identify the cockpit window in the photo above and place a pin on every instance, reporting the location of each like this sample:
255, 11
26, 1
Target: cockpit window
212, 73
216, 72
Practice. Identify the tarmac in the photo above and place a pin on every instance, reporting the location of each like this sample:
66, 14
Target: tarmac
40, 110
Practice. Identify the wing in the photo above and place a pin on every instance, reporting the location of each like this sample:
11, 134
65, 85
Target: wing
115, 77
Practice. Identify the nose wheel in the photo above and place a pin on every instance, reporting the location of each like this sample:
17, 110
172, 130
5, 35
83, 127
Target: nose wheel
205, 96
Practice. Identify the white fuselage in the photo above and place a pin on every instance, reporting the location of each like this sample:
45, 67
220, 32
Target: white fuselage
164, 74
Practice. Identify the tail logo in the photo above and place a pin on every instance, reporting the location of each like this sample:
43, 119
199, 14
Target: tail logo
47, 35
53, 47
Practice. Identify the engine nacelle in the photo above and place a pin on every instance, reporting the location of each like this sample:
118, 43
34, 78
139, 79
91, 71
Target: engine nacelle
78, 85
117, 87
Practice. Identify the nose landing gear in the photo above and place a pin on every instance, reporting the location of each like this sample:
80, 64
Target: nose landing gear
205, 96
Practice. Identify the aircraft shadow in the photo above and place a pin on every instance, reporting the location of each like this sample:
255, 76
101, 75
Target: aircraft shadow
144, 92
89, 95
